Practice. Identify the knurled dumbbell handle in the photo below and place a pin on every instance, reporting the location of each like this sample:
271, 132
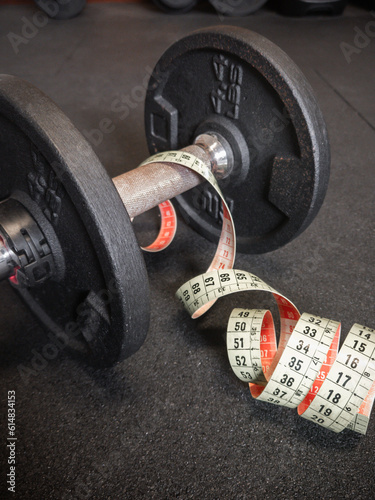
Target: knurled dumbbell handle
146, 186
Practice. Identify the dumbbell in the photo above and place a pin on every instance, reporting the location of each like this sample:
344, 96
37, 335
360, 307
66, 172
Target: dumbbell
237, 7
306, 7
61, 9
226, 95
176, 6
226, 7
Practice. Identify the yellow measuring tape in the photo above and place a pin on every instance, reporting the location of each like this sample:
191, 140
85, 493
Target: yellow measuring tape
333, 389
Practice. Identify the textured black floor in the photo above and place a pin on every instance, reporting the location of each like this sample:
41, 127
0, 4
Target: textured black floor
173, 421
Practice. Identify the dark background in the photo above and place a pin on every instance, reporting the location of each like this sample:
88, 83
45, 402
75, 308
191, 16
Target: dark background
173, 421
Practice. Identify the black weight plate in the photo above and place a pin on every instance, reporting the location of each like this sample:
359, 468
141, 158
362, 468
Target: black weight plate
240, 84
176, 6
100, 300
306, 7
61, 9
237, 7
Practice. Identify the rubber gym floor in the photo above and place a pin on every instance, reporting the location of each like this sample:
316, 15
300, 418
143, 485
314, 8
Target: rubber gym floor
173, 421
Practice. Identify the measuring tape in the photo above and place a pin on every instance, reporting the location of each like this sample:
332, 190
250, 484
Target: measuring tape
168, 228
305, 371
226, 250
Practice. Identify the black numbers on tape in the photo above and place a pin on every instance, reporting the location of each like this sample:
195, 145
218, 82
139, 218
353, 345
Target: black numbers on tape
317, 321
238, 343
186, 295
209, 281
301, 347
363, 334
295, 363
240, 326
317, 419
344, 382
361, 347
354, 362
244, 314
274, 401
241, 276
327, 412
240, 361
246, 375
287, 380
196, 289
225, 277
279, 392
336, 398
309, 331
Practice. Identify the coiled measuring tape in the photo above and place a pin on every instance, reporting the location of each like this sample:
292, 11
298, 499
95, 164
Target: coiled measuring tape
305, 371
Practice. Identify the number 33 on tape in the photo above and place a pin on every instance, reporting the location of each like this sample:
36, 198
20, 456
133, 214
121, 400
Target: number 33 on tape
333, 389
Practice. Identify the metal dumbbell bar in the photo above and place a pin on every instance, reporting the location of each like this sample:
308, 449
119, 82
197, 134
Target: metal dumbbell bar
245, 109
226, 7
25, 256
